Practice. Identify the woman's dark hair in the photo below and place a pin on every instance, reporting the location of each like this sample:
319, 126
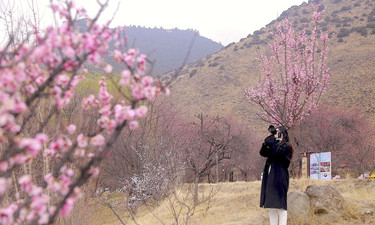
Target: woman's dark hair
285, 139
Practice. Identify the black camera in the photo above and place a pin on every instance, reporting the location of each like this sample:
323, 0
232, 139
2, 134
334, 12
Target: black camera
278, 135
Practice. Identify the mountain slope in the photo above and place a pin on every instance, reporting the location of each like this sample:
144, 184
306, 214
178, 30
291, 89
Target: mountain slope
215, 84
166, 48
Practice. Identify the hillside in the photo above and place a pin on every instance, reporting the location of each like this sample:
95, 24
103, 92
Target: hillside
215, 84
167, 48
237, 203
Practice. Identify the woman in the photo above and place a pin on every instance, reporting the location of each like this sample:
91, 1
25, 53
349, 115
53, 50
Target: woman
275, 181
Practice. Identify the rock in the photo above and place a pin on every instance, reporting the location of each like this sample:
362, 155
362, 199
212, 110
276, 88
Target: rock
298, 205
366, 212
325, 200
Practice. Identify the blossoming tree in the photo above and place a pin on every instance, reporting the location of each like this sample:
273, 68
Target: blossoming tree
294, 76
48, 67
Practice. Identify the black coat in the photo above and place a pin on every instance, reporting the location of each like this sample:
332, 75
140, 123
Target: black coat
275, 181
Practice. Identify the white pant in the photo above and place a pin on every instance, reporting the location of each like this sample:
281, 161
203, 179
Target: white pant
278, 216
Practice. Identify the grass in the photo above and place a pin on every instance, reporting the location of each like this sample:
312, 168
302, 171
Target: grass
238, 204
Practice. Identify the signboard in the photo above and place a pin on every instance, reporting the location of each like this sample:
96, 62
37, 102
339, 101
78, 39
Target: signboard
320, 166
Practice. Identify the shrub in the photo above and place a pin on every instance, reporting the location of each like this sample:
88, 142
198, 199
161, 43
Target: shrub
304, 20
214, 64
357, 4
370, 25
361, 30
340, 40
259, 32
193, 72
200, 63
346, 8
343, 33
304, 11
217, 57
371, 18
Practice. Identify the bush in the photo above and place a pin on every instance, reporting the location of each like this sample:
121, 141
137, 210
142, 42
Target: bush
370, 25
217, 57
193, 72
343, 33
357, 4
214, 64
304, 20
304, 11
200, 63
361, 30
346, 8
259, 32
371, 18
340, 40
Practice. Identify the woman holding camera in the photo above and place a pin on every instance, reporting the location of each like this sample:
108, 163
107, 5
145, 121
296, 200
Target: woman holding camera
275, 180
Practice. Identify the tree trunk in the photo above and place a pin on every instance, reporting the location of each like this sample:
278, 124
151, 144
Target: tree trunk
196, 181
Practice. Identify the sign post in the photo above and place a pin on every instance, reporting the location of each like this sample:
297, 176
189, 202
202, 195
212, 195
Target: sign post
320, 166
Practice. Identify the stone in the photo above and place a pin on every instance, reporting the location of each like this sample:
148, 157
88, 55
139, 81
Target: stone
298, 205
325, 200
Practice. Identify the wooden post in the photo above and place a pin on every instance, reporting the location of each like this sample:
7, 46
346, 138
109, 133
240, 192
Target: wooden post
304, 166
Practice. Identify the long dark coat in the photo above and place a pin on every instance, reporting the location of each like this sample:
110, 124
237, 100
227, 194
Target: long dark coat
275, 181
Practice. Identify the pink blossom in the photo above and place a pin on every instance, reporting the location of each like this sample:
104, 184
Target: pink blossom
141, 64
19, 105
67, 208
32, 146
71, 128
30, 89
94, 58
62, 80
104, 96
69, 52
133, 125
80, 153
82, 140
88, 102
25, 183
141, 111
94, 171
90, 155
150, 93
147, 81
98, 140
137, 92
18, 159
6, 214
167, 91
42, 138
125, 78
108, 68
117, 55
4, 166
3, 185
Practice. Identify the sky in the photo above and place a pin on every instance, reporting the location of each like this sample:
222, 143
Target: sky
223, 21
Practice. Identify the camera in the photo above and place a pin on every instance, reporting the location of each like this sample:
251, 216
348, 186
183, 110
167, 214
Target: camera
278, 135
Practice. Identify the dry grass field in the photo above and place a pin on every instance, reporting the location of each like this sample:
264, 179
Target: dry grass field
238, 204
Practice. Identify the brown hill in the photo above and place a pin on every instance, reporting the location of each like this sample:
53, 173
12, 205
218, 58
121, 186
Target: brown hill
214, 85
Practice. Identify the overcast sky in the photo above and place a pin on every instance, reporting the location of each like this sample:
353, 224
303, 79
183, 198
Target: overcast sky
223, 21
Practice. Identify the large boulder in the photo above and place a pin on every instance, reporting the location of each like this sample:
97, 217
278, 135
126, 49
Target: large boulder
325, 200
298, 206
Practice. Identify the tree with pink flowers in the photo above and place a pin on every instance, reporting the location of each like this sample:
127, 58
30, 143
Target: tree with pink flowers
295, 75
46, 68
